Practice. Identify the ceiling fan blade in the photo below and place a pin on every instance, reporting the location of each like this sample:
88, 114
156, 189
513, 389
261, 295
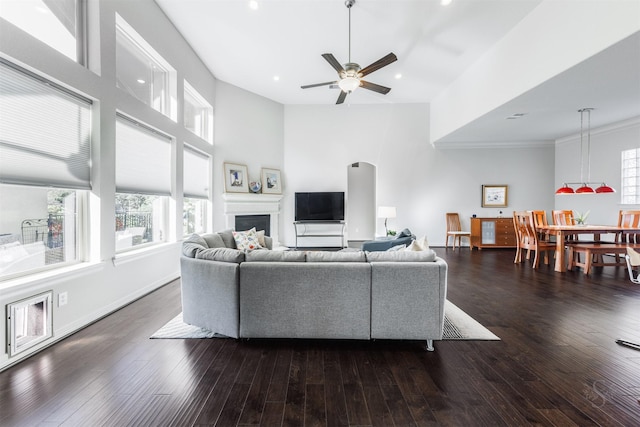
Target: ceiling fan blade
318, 84
333, 62
374, 87
341, 97
382, 62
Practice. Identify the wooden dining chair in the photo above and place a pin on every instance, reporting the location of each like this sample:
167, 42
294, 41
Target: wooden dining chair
528, 239
629, 218
540, 219
563, 217
454, 229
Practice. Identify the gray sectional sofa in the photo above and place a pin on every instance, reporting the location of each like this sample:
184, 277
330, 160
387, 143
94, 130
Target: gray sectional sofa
324, 295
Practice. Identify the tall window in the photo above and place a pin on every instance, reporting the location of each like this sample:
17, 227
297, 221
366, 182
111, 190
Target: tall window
59, 23
143, 184
142, 72
631, 176
198, 114
44, 168
196, 190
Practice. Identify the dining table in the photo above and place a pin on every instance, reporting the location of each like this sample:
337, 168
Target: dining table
562, 231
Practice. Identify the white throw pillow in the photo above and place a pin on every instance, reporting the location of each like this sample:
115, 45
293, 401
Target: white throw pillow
246, 240
418, 245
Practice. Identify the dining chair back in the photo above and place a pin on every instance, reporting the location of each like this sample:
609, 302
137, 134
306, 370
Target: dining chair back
629, 218
563, 217
454, 230
528, 239
540, 219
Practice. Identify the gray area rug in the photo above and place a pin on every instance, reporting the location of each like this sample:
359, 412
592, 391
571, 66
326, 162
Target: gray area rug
458, 325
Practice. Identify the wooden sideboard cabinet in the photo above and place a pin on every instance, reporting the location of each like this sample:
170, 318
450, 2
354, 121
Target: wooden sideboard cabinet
492, 233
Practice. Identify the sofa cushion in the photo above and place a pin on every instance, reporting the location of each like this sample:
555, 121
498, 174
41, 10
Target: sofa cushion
227, 238
246, 240
402, 256
192, 245
346, 256
275, 256
397, 248
214, 240
221, 254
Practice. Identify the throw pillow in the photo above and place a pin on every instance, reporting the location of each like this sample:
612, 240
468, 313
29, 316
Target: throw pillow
418, 245
404, 233
192, 245
221, 254
214, 240
246, 240
260, 234
227, 238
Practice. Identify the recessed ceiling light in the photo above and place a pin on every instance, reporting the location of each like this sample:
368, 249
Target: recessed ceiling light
253, 5
445, 2
516, 116
141, 81
398, 76
276, 78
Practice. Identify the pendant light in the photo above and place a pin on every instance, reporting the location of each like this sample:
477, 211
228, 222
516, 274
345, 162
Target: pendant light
584, 188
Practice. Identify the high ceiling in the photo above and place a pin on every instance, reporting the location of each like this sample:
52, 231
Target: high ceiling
434, 44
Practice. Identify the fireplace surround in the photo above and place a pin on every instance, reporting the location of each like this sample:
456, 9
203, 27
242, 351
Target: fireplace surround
247, 204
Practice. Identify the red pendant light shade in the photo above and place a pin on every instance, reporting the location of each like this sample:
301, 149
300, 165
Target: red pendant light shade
585, 189
584, 184
604, 188
565, 189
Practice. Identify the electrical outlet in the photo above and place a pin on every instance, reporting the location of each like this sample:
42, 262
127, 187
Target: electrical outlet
62, 299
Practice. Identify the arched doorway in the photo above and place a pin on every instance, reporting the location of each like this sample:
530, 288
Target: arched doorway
361, 202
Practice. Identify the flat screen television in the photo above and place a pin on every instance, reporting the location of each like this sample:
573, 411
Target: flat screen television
319, 206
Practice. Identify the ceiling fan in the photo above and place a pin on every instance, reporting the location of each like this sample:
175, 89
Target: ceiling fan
350, 75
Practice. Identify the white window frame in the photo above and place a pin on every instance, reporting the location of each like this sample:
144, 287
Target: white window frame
166, 104
205, 127
630, 170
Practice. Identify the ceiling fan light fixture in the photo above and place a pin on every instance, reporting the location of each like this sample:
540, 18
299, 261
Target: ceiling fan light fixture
349, 84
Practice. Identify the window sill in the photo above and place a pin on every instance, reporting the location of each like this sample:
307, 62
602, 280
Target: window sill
136, 254
49, 278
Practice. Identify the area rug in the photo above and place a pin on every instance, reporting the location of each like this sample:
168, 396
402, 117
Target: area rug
458, 325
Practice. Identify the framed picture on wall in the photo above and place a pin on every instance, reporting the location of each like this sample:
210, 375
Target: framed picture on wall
494, 196
271, 182
235, 178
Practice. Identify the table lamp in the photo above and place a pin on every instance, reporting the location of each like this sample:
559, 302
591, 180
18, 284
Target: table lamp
386, 212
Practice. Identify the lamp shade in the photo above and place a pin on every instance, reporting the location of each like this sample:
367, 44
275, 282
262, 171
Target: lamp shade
386, 211
349, 84
604, 188
585, 189
565, 189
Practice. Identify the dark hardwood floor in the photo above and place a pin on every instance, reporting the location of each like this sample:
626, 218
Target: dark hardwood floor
557, 364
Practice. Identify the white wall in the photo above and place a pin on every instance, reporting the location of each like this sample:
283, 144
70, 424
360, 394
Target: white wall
422, 182
607, 143
249, 131
106, 283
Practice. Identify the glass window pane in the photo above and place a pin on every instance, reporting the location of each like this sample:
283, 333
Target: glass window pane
198, 113
195, 216
140, 220
142, 72
52, 22
631, 176
38, 228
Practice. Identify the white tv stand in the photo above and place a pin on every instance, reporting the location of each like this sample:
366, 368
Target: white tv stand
301, 228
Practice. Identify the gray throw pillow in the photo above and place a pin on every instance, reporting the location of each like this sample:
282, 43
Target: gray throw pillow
227, 238
348, 256
221, 254
402, 256
214, 240
192, 245
265, 255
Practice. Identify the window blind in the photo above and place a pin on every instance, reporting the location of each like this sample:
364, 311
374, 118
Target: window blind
45, 132
143, 159
196, 173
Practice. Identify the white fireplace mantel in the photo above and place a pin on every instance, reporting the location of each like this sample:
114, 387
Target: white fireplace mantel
253, 204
